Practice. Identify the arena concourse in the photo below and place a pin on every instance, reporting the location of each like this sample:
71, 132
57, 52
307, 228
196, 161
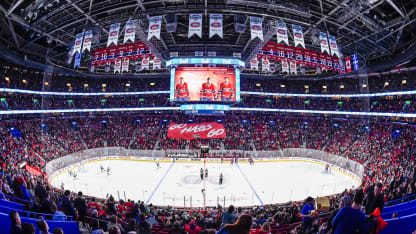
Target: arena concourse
208, 117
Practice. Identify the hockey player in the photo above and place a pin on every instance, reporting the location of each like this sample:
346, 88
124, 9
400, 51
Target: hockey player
206, 172
221, 178
108, 170
226, 91
158, 164
182, 91
201, 173
101, 168
208, 92
327, 168
251, 160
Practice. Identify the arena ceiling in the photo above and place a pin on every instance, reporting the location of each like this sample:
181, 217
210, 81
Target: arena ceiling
370, 28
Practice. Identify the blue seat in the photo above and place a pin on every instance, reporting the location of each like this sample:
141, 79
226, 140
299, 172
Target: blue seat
67, 226
11, 204
402, 225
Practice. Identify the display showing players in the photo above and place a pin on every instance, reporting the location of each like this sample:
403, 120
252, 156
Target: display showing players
226, 91
208, 92
182, 91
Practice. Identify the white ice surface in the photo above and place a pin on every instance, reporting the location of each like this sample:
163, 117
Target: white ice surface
179, 183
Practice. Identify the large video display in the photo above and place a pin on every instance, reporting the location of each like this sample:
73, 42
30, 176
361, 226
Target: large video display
205, 84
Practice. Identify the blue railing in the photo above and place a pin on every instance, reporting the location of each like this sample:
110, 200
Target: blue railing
29, 214
16, 199
400, 200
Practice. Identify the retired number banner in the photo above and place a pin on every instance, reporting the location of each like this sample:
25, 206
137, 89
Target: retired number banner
208, 130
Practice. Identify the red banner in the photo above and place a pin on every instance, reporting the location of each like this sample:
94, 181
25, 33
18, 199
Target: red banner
33, 170
207, 130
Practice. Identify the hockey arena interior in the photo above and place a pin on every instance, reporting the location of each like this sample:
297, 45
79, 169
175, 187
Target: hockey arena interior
208, 116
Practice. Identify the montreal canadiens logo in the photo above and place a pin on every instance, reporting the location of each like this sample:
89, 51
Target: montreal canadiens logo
129, 30
253, 61
195, 24
323, 42
281, 31
113, 33
154, 27
333, 45
255, 28
145, 62
87, 40
298, 35
157, 61
215, 25
78, 42
265, 62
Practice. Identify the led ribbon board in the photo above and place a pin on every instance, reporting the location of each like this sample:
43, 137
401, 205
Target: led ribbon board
205, 60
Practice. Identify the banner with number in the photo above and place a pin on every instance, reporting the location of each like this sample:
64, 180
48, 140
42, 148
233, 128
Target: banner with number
155, 24
140, 50
78, 43
324, 42
292, 67
290, 54
307, 57
271, 51
333, 45
298, 56
282, 33
265, 65
280, 52
298, 35
207, 130
130, 31
103, 57
125, 65
215, 25
256, 28
97, 57
87, 41
117, 66
314, 58
113, 34
195, 25
112, 52
329, 65
285, 66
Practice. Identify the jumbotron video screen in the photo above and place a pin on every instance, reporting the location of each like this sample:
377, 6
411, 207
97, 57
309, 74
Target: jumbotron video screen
210, 84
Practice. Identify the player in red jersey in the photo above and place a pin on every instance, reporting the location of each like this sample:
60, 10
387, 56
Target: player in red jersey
226, 91
208, 92
182, 91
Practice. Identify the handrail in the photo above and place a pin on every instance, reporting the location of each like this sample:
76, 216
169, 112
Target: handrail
400, 200
18, 199
28, 213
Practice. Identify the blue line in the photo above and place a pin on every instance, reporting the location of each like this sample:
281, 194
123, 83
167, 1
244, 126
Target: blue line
160, 182
251, 186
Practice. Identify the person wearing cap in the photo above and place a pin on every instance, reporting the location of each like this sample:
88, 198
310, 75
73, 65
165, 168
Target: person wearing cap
350, 219
306, 213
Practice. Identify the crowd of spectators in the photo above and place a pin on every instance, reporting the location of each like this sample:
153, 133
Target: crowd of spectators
388, 157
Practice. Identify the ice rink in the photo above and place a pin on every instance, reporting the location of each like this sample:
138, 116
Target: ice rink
179, 183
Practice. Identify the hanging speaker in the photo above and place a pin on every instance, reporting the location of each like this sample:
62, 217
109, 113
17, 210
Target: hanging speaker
240, 23
171, 22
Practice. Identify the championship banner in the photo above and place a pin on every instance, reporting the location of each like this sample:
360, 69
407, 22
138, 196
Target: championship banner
271, 51
140, 50
322, 61
333, 45
290, 55
195, 25
112, 51
282, 32
292, 67
280, 52
130, 52
148, 53
113, 34
117, 66
298, 35
285, 66
298, 56
77, 62
262, 53
125, 65
78, 43
215, 25
265, 65
314, 58
156, 63
121, 50
254, 64
329, 64
33, 170
130, 31
324, 43
307, 57
104, 56
256, 28
145, 64
155, 23
87, 41
348, 64
207, 130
